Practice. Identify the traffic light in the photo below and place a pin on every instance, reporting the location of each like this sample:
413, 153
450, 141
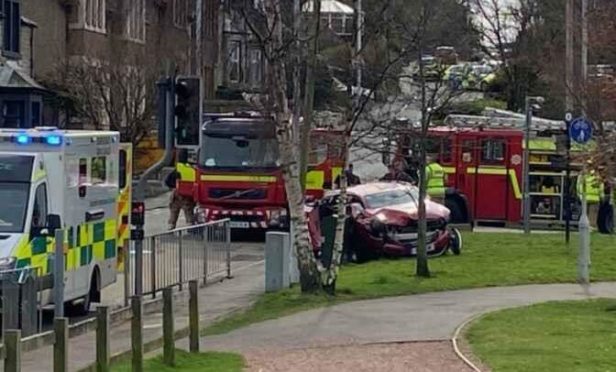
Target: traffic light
188, 112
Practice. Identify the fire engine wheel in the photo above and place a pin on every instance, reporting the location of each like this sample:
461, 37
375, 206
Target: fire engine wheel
455, 241
605, 219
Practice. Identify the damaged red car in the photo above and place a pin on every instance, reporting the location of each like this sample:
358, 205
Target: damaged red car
383, 221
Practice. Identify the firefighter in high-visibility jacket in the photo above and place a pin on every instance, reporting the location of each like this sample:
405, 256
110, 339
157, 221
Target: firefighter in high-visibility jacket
435, 176
594, 190
178, 201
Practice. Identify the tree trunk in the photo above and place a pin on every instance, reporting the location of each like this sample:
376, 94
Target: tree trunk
422, 255
422, 269
310, 280
332, 271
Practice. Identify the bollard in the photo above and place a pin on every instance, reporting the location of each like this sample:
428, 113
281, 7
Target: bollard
193, 315
60, 346
12, 347
102, 339
276, 261
168, 328
136, 334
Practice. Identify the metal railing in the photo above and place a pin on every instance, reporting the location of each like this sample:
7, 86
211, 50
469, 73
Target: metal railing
176, 257
20, 299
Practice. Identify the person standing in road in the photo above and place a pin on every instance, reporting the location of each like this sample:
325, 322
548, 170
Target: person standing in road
397, 174
351, 178
178, 202
435, 175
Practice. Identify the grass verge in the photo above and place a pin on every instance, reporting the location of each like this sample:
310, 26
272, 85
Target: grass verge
488, 259
187, 362
554, 336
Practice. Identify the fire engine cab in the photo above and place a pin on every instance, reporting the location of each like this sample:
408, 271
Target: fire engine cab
238, 173
78, 181
482, 157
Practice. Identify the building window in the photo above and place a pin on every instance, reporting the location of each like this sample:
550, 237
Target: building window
255, 67
234, 69
12, 26
180, 13
13, 114
95, 15
135, 21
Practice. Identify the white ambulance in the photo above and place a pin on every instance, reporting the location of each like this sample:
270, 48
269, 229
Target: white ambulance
75, 180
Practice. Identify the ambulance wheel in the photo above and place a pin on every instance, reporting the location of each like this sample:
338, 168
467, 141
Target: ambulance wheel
85, 303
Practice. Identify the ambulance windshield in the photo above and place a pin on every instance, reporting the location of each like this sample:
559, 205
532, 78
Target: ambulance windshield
239, 152
14, 201
15, 173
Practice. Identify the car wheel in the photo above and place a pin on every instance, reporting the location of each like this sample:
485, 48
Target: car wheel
455, 241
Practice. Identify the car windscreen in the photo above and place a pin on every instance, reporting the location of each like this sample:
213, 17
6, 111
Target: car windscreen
391, 197
239, 152
14, 202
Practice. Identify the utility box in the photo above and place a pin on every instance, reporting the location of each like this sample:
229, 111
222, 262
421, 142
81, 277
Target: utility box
277, 258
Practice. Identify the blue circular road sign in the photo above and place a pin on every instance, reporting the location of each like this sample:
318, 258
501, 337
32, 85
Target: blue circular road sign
580, 130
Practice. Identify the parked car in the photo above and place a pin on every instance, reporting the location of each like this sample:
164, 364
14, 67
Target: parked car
383, 221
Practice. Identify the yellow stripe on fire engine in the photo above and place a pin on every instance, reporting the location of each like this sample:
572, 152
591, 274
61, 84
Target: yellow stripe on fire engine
237, 178
513, 177
449, 170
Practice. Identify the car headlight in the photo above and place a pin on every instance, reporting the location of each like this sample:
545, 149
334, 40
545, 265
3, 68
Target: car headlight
381, 217
7, 263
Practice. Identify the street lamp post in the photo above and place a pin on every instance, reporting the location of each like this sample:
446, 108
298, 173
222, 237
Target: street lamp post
530, 103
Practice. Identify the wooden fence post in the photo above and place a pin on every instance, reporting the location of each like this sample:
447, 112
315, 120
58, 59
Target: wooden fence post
12, 347
102, 339
193, 315
137, 333
168, 328
60, 347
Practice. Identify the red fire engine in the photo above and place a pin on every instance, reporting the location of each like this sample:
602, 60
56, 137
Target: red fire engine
238, 174
483, 161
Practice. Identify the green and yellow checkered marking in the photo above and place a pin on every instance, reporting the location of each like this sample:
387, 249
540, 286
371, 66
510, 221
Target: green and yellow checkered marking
83, 244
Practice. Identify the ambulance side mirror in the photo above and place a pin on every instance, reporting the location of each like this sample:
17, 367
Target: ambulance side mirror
53, 223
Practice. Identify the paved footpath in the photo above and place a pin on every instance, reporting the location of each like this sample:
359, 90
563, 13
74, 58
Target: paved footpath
214, 301
423, 318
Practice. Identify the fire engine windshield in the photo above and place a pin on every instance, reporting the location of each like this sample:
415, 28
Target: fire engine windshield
239, 152
14, 202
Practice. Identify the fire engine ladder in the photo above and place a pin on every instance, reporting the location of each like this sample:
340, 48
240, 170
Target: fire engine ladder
501, 119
